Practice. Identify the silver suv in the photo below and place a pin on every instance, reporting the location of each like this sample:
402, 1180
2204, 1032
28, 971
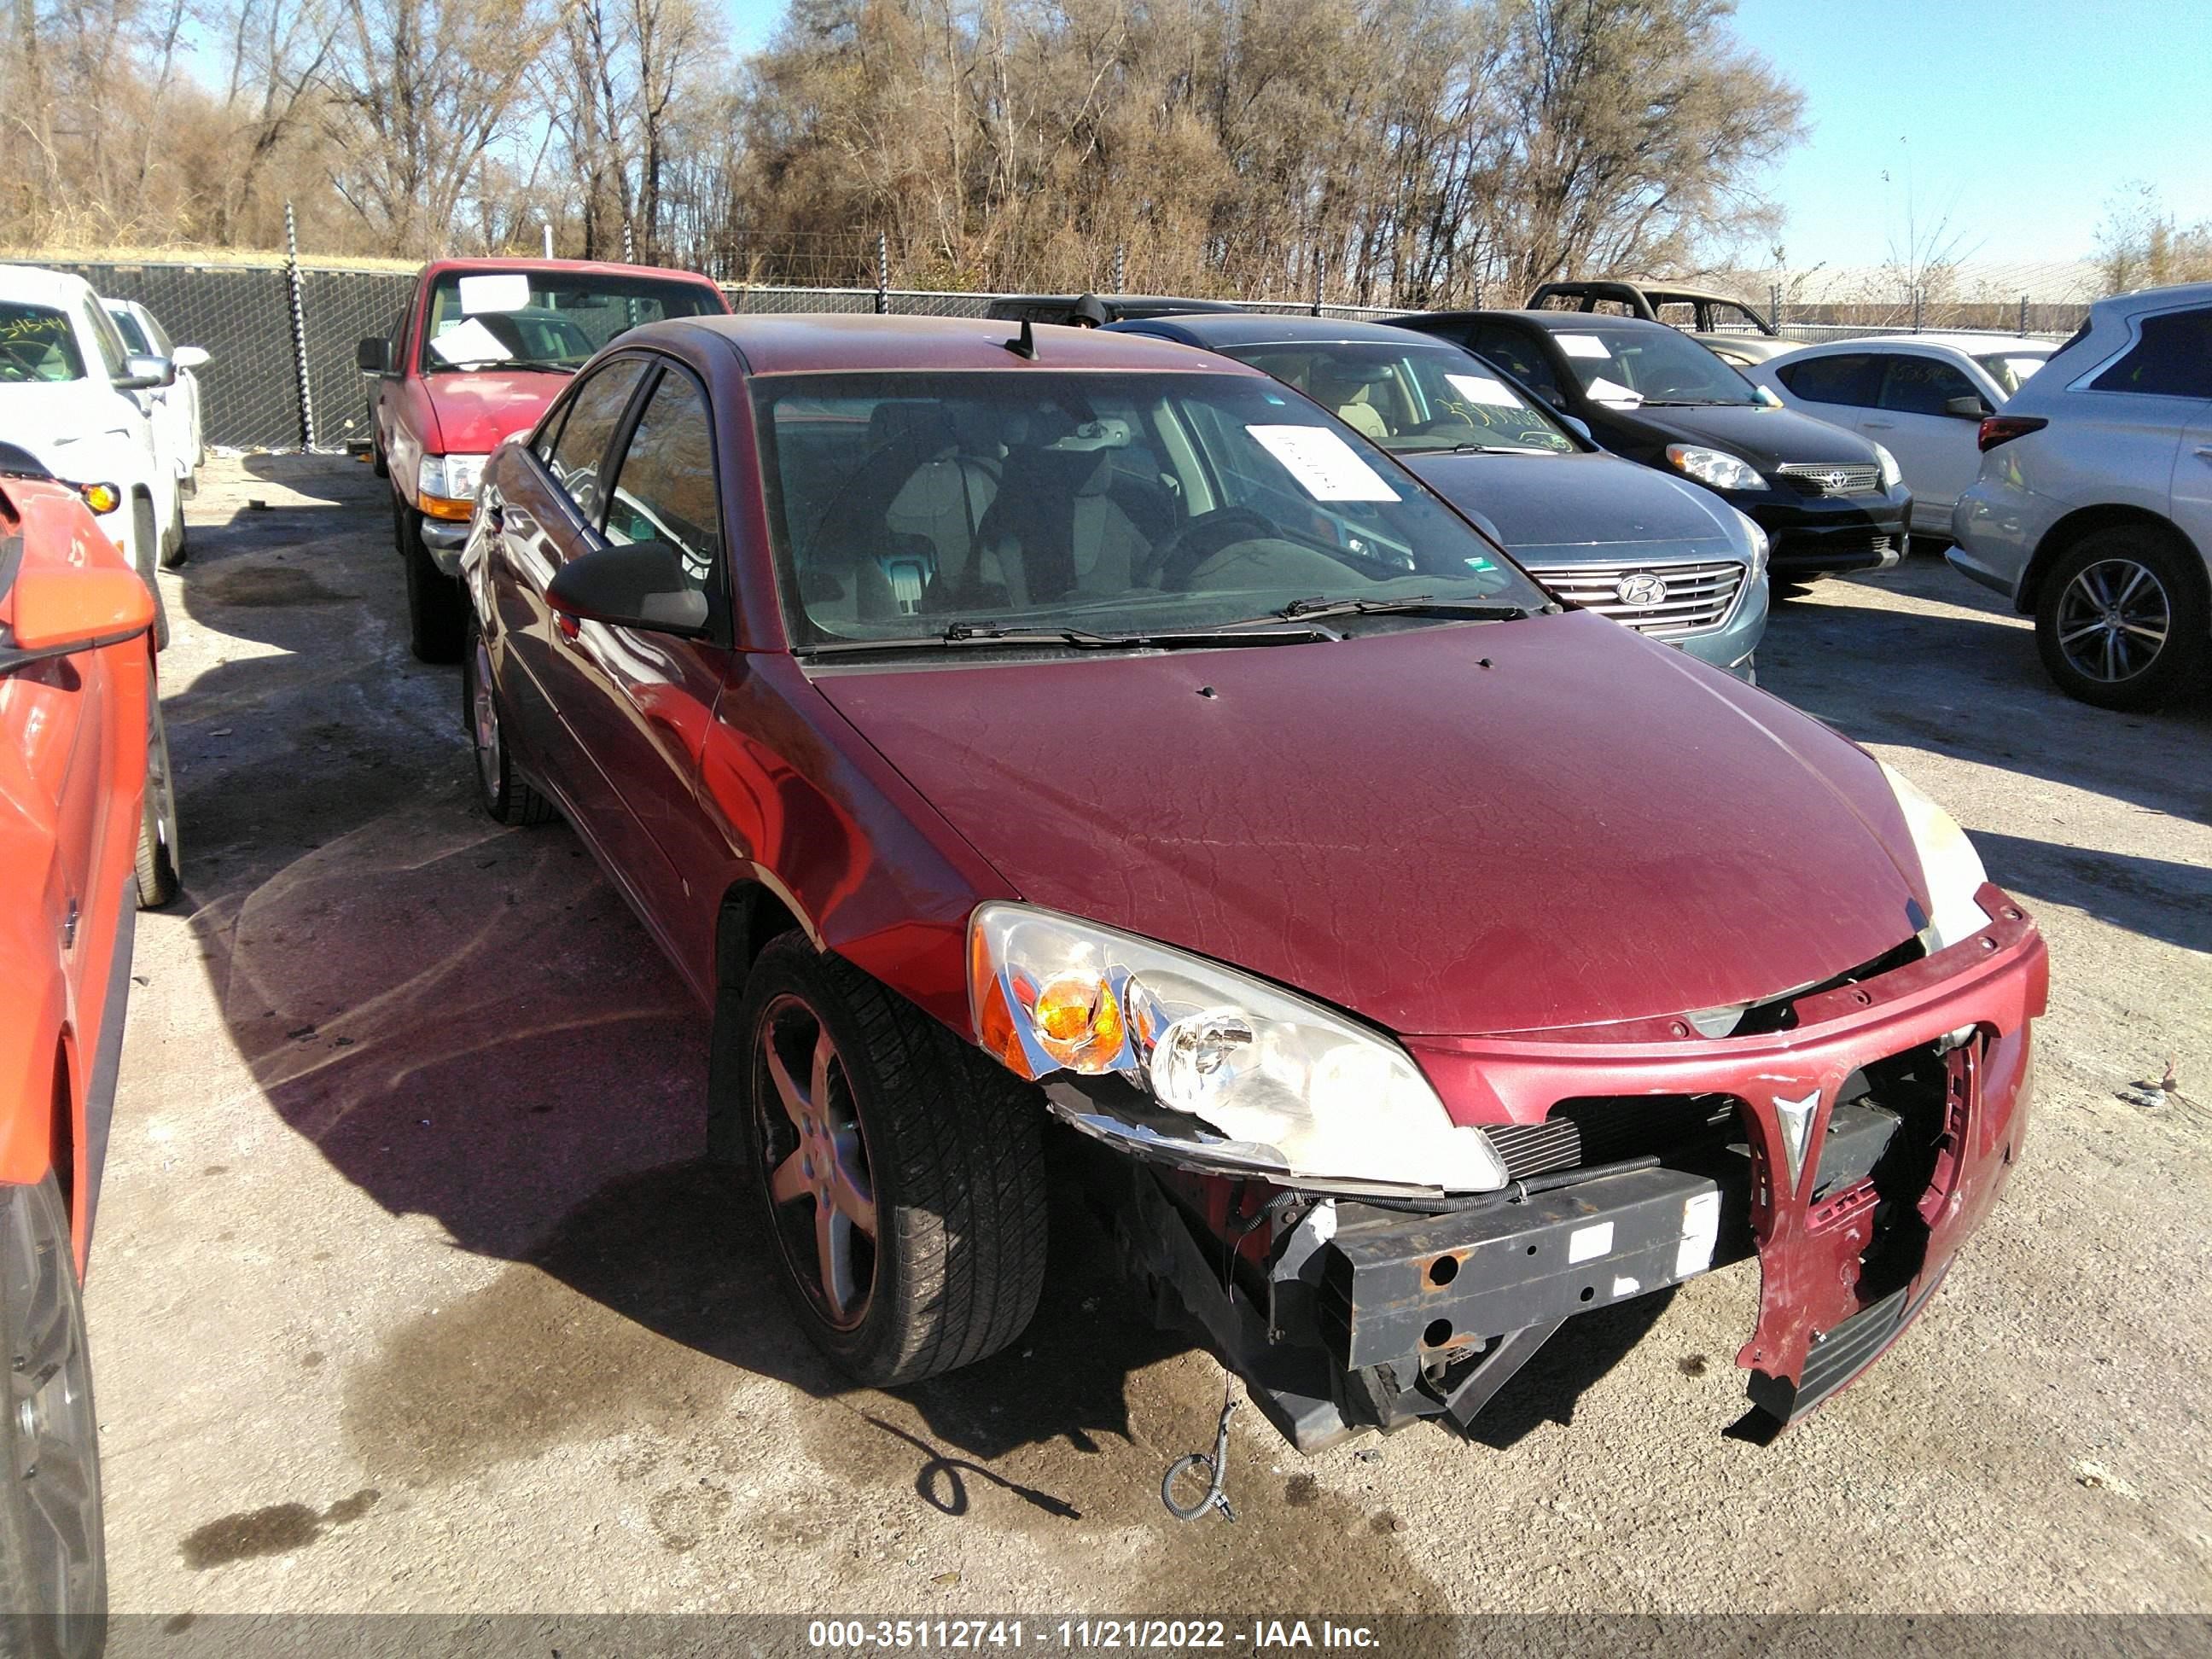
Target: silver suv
2093, 509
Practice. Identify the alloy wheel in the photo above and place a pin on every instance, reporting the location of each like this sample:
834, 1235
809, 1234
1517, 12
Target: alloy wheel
50, 1406
814, 1160
2113, 620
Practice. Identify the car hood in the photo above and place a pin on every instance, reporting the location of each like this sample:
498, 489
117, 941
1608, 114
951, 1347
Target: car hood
1459, 829
57, 420
1596, 506
477, 408
1764, 437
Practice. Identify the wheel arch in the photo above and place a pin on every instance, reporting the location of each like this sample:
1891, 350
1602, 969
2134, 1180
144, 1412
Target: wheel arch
2069, 531
755, 911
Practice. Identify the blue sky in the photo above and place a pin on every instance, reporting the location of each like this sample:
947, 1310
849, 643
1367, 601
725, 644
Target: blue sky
2021, 119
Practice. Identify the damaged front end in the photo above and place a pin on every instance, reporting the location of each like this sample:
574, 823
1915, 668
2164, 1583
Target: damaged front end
1849, 1134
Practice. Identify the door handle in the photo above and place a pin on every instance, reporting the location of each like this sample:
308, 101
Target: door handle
1881, 425
2204, 452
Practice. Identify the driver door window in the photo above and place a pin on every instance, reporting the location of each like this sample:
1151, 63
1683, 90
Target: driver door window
664, 483
582, 451
1512, 351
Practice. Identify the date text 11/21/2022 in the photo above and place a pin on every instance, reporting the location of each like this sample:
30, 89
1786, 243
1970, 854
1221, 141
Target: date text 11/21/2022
1258, 1635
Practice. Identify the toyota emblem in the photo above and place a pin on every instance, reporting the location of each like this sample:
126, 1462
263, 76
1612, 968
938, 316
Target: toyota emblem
1641, 589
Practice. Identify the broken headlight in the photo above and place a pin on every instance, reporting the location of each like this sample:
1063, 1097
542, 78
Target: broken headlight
1295, 1089
1948, 862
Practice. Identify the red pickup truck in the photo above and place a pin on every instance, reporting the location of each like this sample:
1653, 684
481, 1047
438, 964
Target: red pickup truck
482, 347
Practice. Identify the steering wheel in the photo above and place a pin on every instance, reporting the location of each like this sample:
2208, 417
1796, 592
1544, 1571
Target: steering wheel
22, 359
1180, 553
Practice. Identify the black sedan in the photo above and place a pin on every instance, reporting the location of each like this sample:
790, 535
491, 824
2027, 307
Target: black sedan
1829, 501
1657, 554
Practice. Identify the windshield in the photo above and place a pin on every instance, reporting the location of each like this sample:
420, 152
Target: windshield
36, 344
1648, 364
1411, 399
907, 506
2010, 370
545, 319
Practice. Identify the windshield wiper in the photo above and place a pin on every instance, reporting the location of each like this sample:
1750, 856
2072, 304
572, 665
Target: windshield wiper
961, 635
1421, 605
1700, 403
502, 362
1483, 449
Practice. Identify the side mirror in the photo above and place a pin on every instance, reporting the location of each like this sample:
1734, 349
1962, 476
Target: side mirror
146, 374
1579, 426
373, 355
190, 357
69, 608
1968, 408
634, 585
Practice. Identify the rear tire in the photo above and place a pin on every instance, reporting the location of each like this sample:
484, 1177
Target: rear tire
503, 793
436, 605
875, 1126
158, 880
145, 538
54, 1557
2121, 620
173, 550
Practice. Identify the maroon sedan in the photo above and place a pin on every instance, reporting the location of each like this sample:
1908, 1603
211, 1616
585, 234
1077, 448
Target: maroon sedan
1009, 736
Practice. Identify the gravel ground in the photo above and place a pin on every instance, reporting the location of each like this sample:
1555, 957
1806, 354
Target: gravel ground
410, 1294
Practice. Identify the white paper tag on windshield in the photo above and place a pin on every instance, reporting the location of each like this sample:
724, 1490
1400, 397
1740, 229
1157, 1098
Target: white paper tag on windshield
1611, 391
1326, 468
469, 342
500, 290
1582, 345
1482, 389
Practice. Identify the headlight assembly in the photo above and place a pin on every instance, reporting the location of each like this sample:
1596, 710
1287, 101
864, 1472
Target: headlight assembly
1891, 475
454, 478
1715, 467
1947, 859
1257, 1078
1756, 536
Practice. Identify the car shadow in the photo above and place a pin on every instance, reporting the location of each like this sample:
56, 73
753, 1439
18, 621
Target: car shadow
2155, 898
470, 1025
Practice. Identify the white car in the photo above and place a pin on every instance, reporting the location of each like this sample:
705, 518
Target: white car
1921, 397
179, 428
70, 395
2092, 512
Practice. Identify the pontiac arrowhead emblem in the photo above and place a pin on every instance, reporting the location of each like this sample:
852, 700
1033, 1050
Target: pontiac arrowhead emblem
1796, 1117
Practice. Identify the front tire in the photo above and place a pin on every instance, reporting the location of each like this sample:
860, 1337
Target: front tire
502, 791
145, 538
174, 552
899, 1172
53, 1557
158, 881
2120, 620
436, 607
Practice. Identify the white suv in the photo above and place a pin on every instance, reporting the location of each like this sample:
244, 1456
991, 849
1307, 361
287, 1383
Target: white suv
72, 397
2093, 509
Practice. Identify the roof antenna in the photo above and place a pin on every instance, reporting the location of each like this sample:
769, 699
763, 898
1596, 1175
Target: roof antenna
1024, 345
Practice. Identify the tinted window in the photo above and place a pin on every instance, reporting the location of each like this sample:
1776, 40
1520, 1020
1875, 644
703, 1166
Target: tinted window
664, 483
1854, 380
1518, 355
2173, 358
36, 343
593, 414
903, 506
1922, 385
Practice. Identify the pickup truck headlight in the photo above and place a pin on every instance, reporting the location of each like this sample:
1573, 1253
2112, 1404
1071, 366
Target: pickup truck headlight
1301, 1087
1947, 859
1891, 475
453, 477
1716, 468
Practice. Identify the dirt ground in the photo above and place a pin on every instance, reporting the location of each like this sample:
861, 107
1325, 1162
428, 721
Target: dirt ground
409, 1291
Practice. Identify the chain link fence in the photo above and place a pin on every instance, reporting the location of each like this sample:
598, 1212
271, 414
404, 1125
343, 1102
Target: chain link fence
281, 336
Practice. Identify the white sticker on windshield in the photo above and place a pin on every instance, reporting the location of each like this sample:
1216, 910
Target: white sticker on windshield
1582, 345
1326, 468
469, 342
496, 291
1483, 389
1611, 391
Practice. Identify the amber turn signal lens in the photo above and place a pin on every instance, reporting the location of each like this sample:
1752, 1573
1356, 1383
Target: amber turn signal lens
101, 497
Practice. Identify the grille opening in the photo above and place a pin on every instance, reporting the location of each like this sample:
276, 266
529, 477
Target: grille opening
1916, 1087
1602, 1128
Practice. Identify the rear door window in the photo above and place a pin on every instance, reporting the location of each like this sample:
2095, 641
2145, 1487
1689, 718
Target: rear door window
1921, 385
2171, 358
1516, 353
1853, 379
580, 454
